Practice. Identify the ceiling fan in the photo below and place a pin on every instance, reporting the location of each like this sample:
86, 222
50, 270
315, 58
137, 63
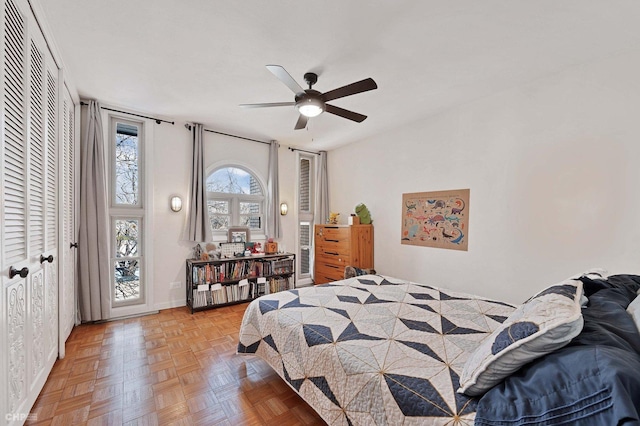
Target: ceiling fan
311, 103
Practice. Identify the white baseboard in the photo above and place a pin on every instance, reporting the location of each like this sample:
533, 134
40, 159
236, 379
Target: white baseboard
170, 304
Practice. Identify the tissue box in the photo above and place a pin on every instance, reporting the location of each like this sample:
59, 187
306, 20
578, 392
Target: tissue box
354, 220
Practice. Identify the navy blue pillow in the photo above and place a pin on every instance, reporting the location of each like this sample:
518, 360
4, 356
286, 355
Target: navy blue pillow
629, 284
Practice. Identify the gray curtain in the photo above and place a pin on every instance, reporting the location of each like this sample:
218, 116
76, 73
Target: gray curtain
322, 192
198, 227
93, 239
273, 194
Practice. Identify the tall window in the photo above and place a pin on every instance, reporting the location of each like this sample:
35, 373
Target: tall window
127, 211
127, 165
235, 197
306, 193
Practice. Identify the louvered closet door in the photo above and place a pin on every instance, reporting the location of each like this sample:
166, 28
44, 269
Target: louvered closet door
28, 338
14, 224
67, 251
51, 209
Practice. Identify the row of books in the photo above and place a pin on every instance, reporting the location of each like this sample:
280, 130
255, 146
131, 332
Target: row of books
231, 271
218, 294
277, 284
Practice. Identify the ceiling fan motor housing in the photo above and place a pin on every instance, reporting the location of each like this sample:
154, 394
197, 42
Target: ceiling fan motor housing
310, 103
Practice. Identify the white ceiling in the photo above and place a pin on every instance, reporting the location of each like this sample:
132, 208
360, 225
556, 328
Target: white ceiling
197, 60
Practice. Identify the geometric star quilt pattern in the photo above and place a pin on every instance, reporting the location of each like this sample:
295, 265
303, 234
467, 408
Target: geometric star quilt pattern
373, 350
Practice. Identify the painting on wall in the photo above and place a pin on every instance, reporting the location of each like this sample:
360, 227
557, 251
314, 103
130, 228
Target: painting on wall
436, 219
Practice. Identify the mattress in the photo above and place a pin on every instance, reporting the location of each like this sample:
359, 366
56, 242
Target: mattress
373, 349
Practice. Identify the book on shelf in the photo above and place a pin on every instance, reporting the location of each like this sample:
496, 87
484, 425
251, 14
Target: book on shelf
262, 287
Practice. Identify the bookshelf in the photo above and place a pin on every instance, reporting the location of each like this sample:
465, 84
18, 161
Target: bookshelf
222, 282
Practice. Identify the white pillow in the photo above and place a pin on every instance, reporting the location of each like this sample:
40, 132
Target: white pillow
634, 310
544, 323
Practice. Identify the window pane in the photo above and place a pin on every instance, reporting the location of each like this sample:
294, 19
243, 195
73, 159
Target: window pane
253, 222
249, 208
127, 179
232, 180
305, 234
127, 280
305, 261
305, 174
305, 248
219, 222
218, 207
127, 237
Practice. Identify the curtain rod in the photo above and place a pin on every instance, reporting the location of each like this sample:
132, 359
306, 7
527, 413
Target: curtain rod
302, 150
188, 127
157, 120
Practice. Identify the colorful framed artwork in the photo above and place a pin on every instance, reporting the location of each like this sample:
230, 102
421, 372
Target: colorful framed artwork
436, 219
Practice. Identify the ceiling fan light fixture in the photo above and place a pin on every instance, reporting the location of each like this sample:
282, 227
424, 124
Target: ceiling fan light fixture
310, 107
311, 103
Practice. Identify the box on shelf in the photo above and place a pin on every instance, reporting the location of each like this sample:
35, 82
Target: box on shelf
271, 248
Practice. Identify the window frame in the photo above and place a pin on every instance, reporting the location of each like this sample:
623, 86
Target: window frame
119, 211
139, 258
306, 217
113, 128
234, 200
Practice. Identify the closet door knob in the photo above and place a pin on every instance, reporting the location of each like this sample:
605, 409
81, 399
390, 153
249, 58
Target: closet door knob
46, 259
22, 272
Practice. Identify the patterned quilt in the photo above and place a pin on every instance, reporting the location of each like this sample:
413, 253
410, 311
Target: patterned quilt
373, 349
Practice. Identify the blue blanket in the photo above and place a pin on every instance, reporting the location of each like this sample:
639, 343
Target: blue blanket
595, 380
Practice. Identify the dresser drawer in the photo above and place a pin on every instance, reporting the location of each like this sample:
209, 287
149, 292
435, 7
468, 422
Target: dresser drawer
333, 233
327, 273
331, 257
333, 245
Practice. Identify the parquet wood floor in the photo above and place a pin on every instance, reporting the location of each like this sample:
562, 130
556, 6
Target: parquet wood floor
170, 368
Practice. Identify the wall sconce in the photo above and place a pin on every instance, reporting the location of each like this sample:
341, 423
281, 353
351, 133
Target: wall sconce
284, 209
176, 203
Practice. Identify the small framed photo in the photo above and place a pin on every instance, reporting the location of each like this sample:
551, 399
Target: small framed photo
239, 234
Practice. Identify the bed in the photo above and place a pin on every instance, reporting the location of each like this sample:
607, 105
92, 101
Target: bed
379, 350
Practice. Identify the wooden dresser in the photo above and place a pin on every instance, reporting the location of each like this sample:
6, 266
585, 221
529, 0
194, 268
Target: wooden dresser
337, 246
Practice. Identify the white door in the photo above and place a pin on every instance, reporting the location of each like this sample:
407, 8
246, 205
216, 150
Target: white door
68, 242
52, 252
29, 245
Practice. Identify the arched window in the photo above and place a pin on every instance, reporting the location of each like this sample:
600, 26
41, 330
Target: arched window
235, 197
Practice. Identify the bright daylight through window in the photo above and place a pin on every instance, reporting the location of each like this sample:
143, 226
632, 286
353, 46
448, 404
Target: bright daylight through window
126, 212
235, 197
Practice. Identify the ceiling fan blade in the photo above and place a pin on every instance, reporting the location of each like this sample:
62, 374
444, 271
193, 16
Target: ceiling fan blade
345, 113
285, 77
302, 122
350, 89
272, 104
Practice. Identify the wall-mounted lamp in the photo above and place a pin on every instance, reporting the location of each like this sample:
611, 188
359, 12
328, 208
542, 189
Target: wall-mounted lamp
176, 203
284, 209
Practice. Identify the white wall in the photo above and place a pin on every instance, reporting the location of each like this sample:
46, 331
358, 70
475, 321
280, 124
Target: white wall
172, 167
172, 172
553, 171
